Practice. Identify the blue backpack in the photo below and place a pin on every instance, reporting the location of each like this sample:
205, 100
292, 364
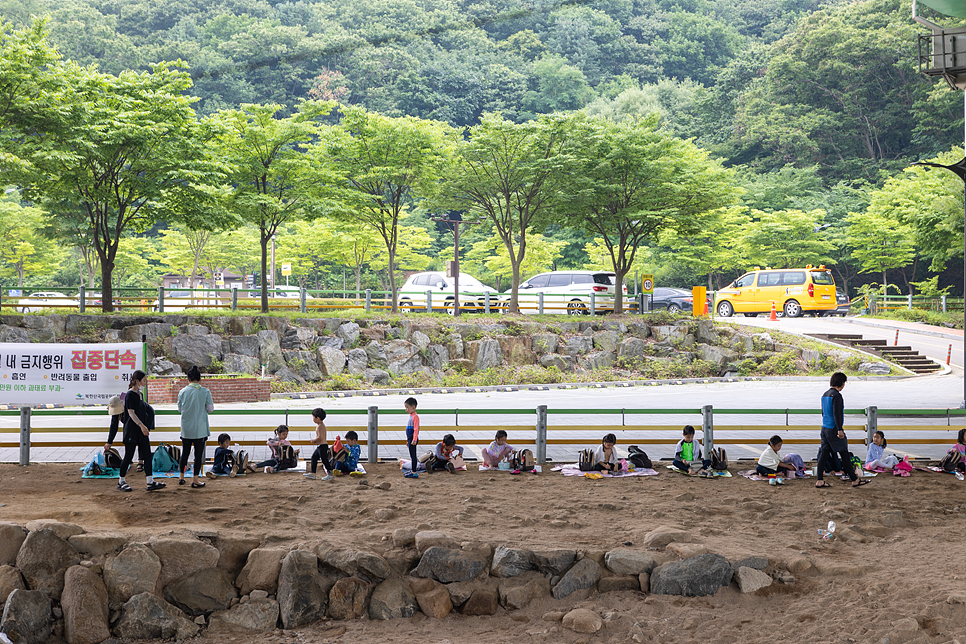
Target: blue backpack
163, 461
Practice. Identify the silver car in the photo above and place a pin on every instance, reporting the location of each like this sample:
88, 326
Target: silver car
568, 292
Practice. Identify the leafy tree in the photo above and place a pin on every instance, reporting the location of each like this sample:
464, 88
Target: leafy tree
631, 181
274, 180
512, 174
880, 242
786, 239
492, 255
716, 250
382, 165
556, 87
23, 250
695, 46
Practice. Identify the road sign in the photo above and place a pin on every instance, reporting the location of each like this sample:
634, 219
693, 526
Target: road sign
647, 284
286, 269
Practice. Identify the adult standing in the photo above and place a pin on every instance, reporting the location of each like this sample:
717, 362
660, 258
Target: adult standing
833, 432
137, 432
194, 403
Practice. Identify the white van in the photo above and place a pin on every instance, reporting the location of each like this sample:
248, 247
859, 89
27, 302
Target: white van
568, 292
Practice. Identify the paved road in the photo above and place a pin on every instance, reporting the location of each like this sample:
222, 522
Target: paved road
937, 391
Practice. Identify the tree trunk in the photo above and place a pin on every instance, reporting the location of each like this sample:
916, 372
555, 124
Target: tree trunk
391, 270
515, 285
618, 293
358, 273
264, 294
107, 289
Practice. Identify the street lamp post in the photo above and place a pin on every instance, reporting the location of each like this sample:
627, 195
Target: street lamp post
455, 225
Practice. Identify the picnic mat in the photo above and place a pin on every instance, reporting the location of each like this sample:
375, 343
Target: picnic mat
484, 468
405, 466
715, 474
108, 473
572, 469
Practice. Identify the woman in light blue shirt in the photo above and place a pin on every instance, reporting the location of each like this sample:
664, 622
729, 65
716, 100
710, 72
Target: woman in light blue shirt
194, 403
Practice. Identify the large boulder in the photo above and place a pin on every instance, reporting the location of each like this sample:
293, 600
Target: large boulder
576, 346
750, 580
146, 332
437, 356
597, 360
349, 332
516, 349
368, 565
584, 574
85, 607
134, 571
420, 339
357, 362
252, 617
377, 355
10, 580
301, 596
517, 592
659, 537
12, 536
631, 350
261, 571
244, 345
406, 366
96, 544
670, 333
875, 368
545, 342
606, 340
27, 617
331, 361
633, 562
705, 333
199, 350
270, 351
204, 592
433, 598
377, 377
484, 600
304, 364
181, 558
233, 553
237, 363
720, 356
392, 599
147, 617
348, 598
583, 620
554, 562
557, 361
484, 354
510, 562
43, 559
446, 565
13, 334
692, 577
63, 530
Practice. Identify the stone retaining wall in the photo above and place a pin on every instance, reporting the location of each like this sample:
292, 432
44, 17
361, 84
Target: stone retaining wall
57, 580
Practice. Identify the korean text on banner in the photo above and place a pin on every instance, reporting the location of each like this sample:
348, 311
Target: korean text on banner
67, 374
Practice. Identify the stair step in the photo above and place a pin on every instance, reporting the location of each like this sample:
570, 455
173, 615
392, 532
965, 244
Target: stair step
869, 343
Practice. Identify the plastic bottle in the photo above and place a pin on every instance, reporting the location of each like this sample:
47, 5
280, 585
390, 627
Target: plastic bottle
829, 534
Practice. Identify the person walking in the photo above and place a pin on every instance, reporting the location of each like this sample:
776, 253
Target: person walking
194, 404
833, 432
137, 432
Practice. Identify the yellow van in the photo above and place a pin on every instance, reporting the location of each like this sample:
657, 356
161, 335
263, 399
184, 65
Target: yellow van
793, 290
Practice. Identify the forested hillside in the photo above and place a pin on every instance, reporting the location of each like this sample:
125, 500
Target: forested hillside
817, 106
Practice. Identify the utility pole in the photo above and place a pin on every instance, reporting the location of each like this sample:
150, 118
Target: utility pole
454, 222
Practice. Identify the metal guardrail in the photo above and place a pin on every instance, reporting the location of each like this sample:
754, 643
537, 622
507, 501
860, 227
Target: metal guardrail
543, 431
942, 304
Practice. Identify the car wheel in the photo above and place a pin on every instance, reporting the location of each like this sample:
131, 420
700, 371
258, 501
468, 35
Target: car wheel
449, 308
673, 308
577, 308
792, 309
406, 305
725, 309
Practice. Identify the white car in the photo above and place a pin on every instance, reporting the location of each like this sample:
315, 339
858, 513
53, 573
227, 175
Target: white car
412, 294
175, 301
568, 292
45, 300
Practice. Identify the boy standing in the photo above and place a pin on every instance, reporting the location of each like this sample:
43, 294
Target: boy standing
770, 463
687, 454
412, 436
321, 452
833, 432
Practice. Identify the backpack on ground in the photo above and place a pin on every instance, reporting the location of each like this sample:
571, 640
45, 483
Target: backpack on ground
230, 461
287, 458
951, 461
242, 459
112, 459
175, 453
639, 458
719, 459
523, 460
162, 461
585, 460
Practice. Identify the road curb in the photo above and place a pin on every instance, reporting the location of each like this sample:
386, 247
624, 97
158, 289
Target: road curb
918, 330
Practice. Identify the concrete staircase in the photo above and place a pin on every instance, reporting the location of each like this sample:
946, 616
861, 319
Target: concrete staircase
900, 355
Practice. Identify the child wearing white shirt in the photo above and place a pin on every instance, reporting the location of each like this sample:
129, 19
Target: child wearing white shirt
770, 463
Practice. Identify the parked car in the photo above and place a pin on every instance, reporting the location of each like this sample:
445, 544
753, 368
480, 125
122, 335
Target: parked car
188, 300
568, 292
844, 305
412, 294
674, 300
793, 291
45, 299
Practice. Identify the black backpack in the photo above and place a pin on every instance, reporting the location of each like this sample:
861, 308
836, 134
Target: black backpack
112, 459
585, 460
951, 461
719, 459
175, 453
287, 459
523, 460
639, 458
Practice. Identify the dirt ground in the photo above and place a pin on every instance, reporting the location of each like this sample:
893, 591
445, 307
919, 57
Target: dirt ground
905, 583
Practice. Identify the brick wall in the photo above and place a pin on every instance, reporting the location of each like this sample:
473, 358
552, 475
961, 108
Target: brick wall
223, 390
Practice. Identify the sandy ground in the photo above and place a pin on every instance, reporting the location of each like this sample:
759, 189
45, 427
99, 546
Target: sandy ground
904, 584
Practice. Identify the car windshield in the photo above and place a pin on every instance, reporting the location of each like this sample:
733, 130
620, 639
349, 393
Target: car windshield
470, 282
822, 277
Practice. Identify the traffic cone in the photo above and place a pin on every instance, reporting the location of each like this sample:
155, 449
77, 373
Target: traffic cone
774, 316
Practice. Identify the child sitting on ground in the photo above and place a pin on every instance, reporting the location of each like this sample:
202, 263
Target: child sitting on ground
960, 447
225, 463
497, 451
321, 452
876, 456
278, 444
687, 454
349, 464
770, 463
605, 456
446, 450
